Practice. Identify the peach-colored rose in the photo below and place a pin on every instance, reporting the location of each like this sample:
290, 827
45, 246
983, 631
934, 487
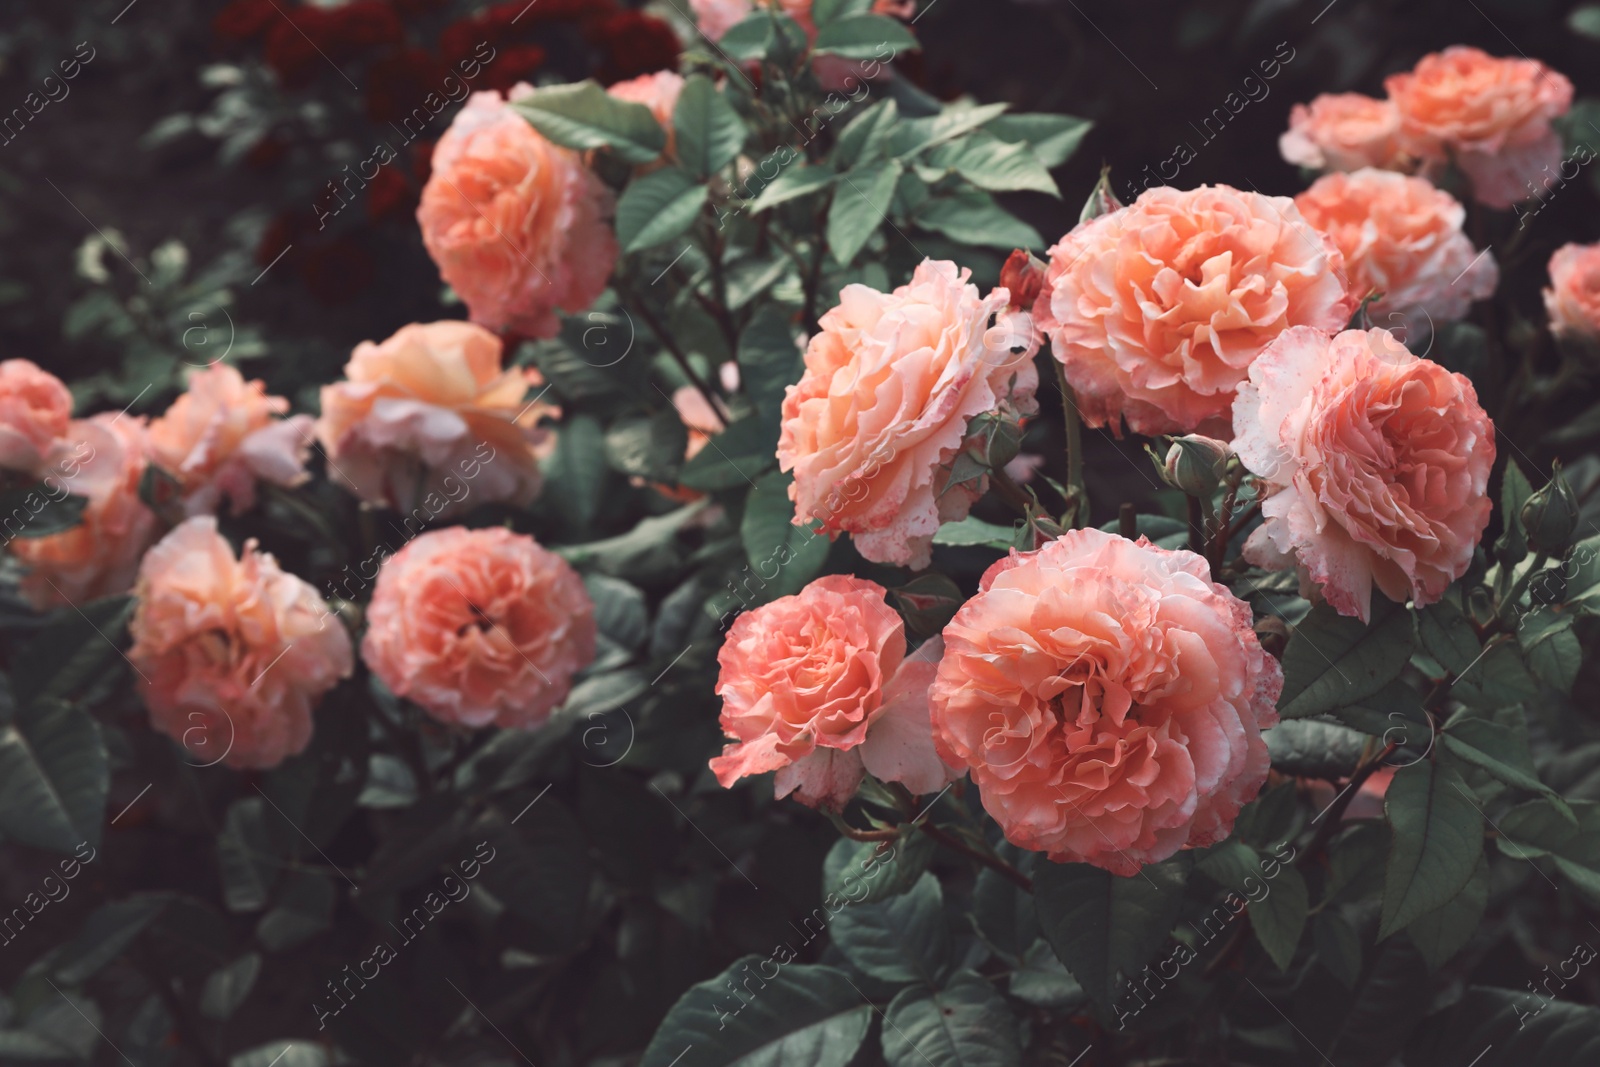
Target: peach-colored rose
891, 382
1158, 309
818, 687
429, 421
34, 411
659, 92
101, 458
479, 626
1402, 237
1108, 698
1345, 131
517, 225
223, 435
1573, 299
1374, 462
1492, 116
233, 653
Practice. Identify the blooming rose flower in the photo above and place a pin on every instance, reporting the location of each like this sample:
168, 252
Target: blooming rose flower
222, 436
1573, 299
1374, 463
101, 458
1402, 237
428, 420
659, 92
1108, 698
517, 225
233, 653
1345, 131
1158, 309
818, 687
479, 626
1491, 115
34, 411
891, 382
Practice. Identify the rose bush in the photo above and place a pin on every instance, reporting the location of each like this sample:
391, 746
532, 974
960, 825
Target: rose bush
502, 689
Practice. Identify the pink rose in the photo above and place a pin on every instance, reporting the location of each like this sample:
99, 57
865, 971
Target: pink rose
818, 687
1402, 237
1573, 299
34, 411
428, 422
1158, 309
1108, 698
233, 653
1492, 116
1374, 462
659, 92
517, 225
479, 626
891, 382
223, 435
1345, 131
101, 458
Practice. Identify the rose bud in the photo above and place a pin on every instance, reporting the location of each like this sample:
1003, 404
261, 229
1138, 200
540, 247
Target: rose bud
1550, 516
1197, 464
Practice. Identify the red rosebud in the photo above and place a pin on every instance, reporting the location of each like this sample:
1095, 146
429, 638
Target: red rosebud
1023, 276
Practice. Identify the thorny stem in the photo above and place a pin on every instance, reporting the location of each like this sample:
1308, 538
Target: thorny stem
1336, 810
679, 356
1069, 412
993, 862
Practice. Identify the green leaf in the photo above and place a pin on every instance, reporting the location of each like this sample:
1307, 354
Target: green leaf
1538, 828
794, 1014
865, 872
539, 868
1053, 138
1279, 918
658, 207
1507, 1028
109, 930
1550, 647
915, 135
1498, 749
791, 184
304, 910
575, 476
864, 136
826, 11
54, 775
1042, 980
227, 987
1436, 844
244, 854
1515, 490
973, 218
72, 650
1366, 1026
900, 939
620, 611
1310, 748
1332, 661
865, 37
732, 458
282, 1054
783, 557
1499, 679
859, 207
998, 166
708, 132
1102, 926
37, 511
970, 531
769, 361
965, 1024
1441, 933
584, 116
1448, 637
748, 39
651, 447
1586, 20
1002, 911
1582, 574
1338, 947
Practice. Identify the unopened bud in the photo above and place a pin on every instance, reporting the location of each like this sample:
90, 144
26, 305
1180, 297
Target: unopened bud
1550, 516
1102, 201
1022, 277
1197, 464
